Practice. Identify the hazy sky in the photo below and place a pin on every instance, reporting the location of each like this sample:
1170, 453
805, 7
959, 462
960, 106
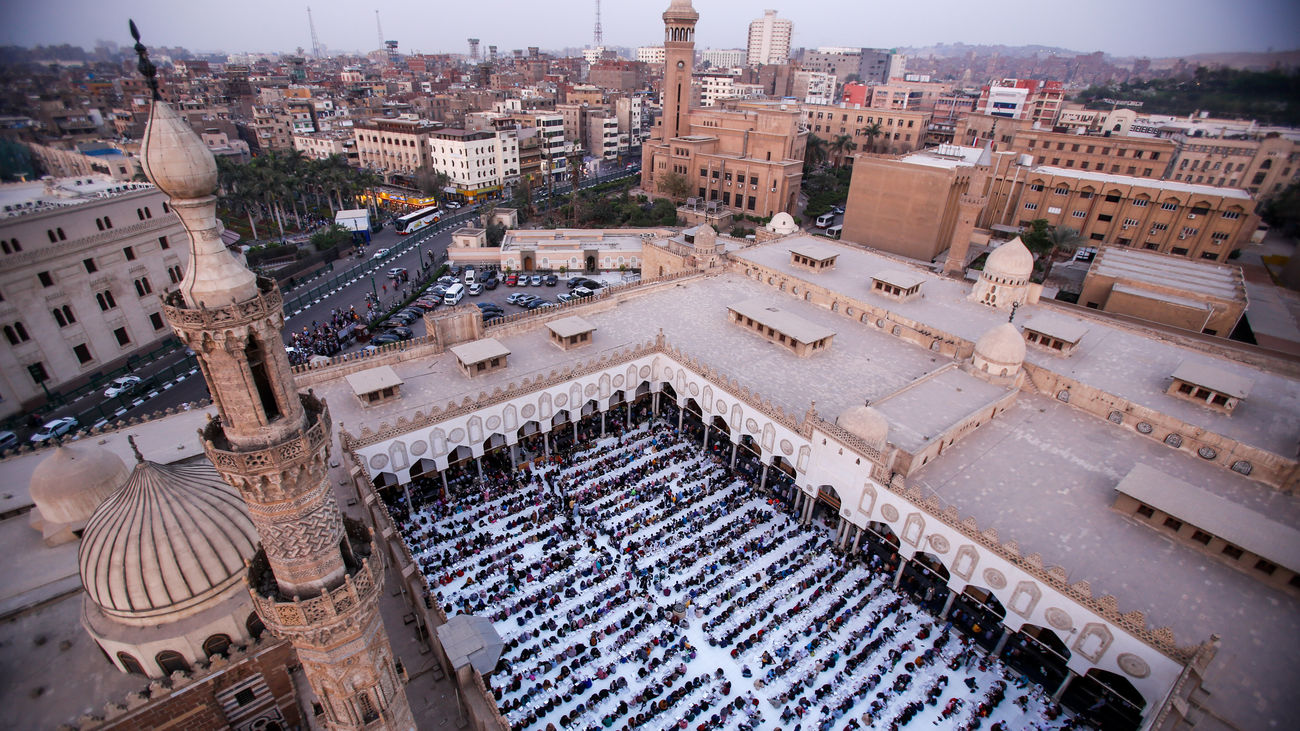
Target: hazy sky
1121, 27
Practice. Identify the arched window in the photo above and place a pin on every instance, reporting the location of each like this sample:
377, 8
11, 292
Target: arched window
147, 212
108, 223
63, 315
171, 661
216, 645
139, 213
129, 663
1268, 163
254, 625
62, 237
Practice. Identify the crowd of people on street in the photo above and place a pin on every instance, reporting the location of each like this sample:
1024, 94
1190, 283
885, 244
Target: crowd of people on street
638, 583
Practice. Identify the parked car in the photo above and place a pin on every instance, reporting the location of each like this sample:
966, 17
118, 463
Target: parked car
552, 280
8, 440
490, 283
583, 282
396, 272
838, 210
455, 270
385, 339
379, 254
582, 292
411, 311
470, 277
54, 428
825, 220
535, 280
446, 280
565, 297
402, 332
475, 289
514, 298
537, 304
512, 280
453, 205
122, 385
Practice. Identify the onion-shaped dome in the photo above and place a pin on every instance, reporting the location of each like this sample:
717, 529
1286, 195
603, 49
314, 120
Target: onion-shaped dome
1002, 346
782, 223
69, 484
174, 157
1010, 262
866, 423
171, 538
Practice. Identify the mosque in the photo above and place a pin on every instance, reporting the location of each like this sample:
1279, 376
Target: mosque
1114, 502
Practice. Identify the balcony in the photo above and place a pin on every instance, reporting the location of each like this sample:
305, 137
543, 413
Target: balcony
285, 615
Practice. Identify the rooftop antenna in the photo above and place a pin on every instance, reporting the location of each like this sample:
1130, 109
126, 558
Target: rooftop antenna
598, 37
315, 41
147, 69
379, 28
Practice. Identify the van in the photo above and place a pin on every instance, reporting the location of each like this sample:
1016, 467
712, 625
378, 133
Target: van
470, 275
834, 231
455, 293
825, 220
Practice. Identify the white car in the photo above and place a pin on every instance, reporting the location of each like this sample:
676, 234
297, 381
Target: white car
379, 254
475, 289
55, 428
121, 385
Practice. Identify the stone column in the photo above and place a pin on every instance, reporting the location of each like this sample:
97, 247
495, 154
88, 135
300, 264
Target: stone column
705, 446
602, 425
445, 491
1060, 689
733, 455
410, 504
654, 403
898, 575
947, 606
575, 429
514, 455
629, 414
857, 539
762, 481
680, 413
546, 443
478, 462
1002, 641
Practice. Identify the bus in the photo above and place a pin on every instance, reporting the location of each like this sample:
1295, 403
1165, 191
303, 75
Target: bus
412, 222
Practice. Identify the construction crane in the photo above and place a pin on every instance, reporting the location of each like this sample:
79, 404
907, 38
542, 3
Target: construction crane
598, 36
380, 28
315, 41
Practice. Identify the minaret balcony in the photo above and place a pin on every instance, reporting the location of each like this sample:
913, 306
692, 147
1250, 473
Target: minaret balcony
304, 446
293, 615
267, 303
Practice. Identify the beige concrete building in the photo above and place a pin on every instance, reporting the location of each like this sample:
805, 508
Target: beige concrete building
749, 156
82, 263
1199, 296
900, 131
394, 146
555, 250
321, 145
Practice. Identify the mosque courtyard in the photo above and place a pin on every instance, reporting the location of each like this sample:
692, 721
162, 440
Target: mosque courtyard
639, 581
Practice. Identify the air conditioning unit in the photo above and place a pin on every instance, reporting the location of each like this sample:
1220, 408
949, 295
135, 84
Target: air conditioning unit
1191, 216
1182, 236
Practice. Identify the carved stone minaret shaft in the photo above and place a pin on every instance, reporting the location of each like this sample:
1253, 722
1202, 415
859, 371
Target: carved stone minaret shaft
317, 579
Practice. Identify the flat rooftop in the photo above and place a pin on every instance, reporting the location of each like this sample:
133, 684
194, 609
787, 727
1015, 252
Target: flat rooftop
1176, 272
17, 199
786, 323
1112, 358
945, 156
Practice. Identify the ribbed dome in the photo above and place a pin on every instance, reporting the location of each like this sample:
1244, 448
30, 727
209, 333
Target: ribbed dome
866, 423
172, 537
1011, 260
1003, 345
69, 484
174, 157
782, 223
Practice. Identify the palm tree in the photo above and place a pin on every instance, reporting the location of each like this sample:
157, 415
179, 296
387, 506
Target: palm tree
842, 146
814, 153
1064, 240
871, 132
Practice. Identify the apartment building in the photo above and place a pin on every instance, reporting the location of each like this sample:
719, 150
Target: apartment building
1038, 101
769, 40
814, 87
82, 264
394, 146
1262, 165
715, 86
476, 162
653, 55
900, 131
603, 139
1147, 157
272, 128
321, 145
723, 58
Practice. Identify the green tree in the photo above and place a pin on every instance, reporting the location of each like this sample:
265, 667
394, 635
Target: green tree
1045, 241
674, 185
840, 147
814, 153
496, 233
431, 182
333, 236
871, 132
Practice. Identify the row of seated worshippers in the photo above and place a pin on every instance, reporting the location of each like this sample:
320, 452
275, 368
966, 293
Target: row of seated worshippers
639, 583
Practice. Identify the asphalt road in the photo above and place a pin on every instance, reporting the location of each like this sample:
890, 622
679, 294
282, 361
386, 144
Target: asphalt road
174, 379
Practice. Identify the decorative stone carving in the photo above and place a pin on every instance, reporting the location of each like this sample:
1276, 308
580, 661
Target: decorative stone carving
1174, 440
964, 563
419, 447
456, 436
1207, 453
939, 544
721, 406
397, 455
1063, 396
1025, 598
378, 461
995, 579
618, 381
590, 390
751, 426
694, 388
1242, 466
1059, 619
868, 500
561, 399
1116, 417
668, 373
1143, 427
645, 371
527, 411
786, 447
889, 512
1133, 665
1094, 639
913, 527
492, 423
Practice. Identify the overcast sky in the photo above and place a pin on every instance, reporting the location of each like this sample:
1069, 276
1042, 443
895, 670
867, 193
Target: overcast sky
1121, 27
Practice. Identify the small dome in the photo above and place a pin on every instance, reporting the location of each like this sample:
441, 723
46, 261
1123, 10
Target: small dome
865, 423
1003, 345
782, 223
1011, 260
174, 157
174, 536
69, 484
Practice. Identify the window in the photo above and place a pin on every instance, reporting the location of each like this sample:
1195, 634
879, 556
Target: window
1097, 237
1079, 214
174, 272
1114, 198
1267, 567
37, 372
130, 253
1169, 206
105, 300
170, 662
162, 242
16, 333
1232, 551
1201, 537
89, 264
1145, 511
1232, 215
82, 353
1105, 217
142, 286
156, 320
122, 337
1209, 255
1140, 202
1173, 523
63, 315
1031, 206
1036, 187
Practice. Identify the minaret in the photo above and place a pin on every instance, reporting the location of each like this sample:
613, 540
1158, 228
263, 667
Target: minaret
969, 206
317, 579
679, 61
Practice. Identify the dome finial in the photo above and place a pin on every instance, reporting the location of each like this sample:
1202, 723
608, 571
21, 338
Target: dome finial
147, 68
139, 458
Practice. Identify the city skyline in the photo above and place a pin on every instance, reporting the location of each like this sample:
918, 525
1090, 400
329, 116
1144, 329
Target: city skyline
1119, 29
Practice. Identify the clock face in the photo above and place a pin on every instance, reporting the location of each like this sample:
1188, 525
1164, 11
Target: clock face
681, 64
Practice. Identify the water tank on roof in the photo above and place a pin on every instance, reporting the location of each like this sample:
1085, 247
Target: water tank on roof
1026, 160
